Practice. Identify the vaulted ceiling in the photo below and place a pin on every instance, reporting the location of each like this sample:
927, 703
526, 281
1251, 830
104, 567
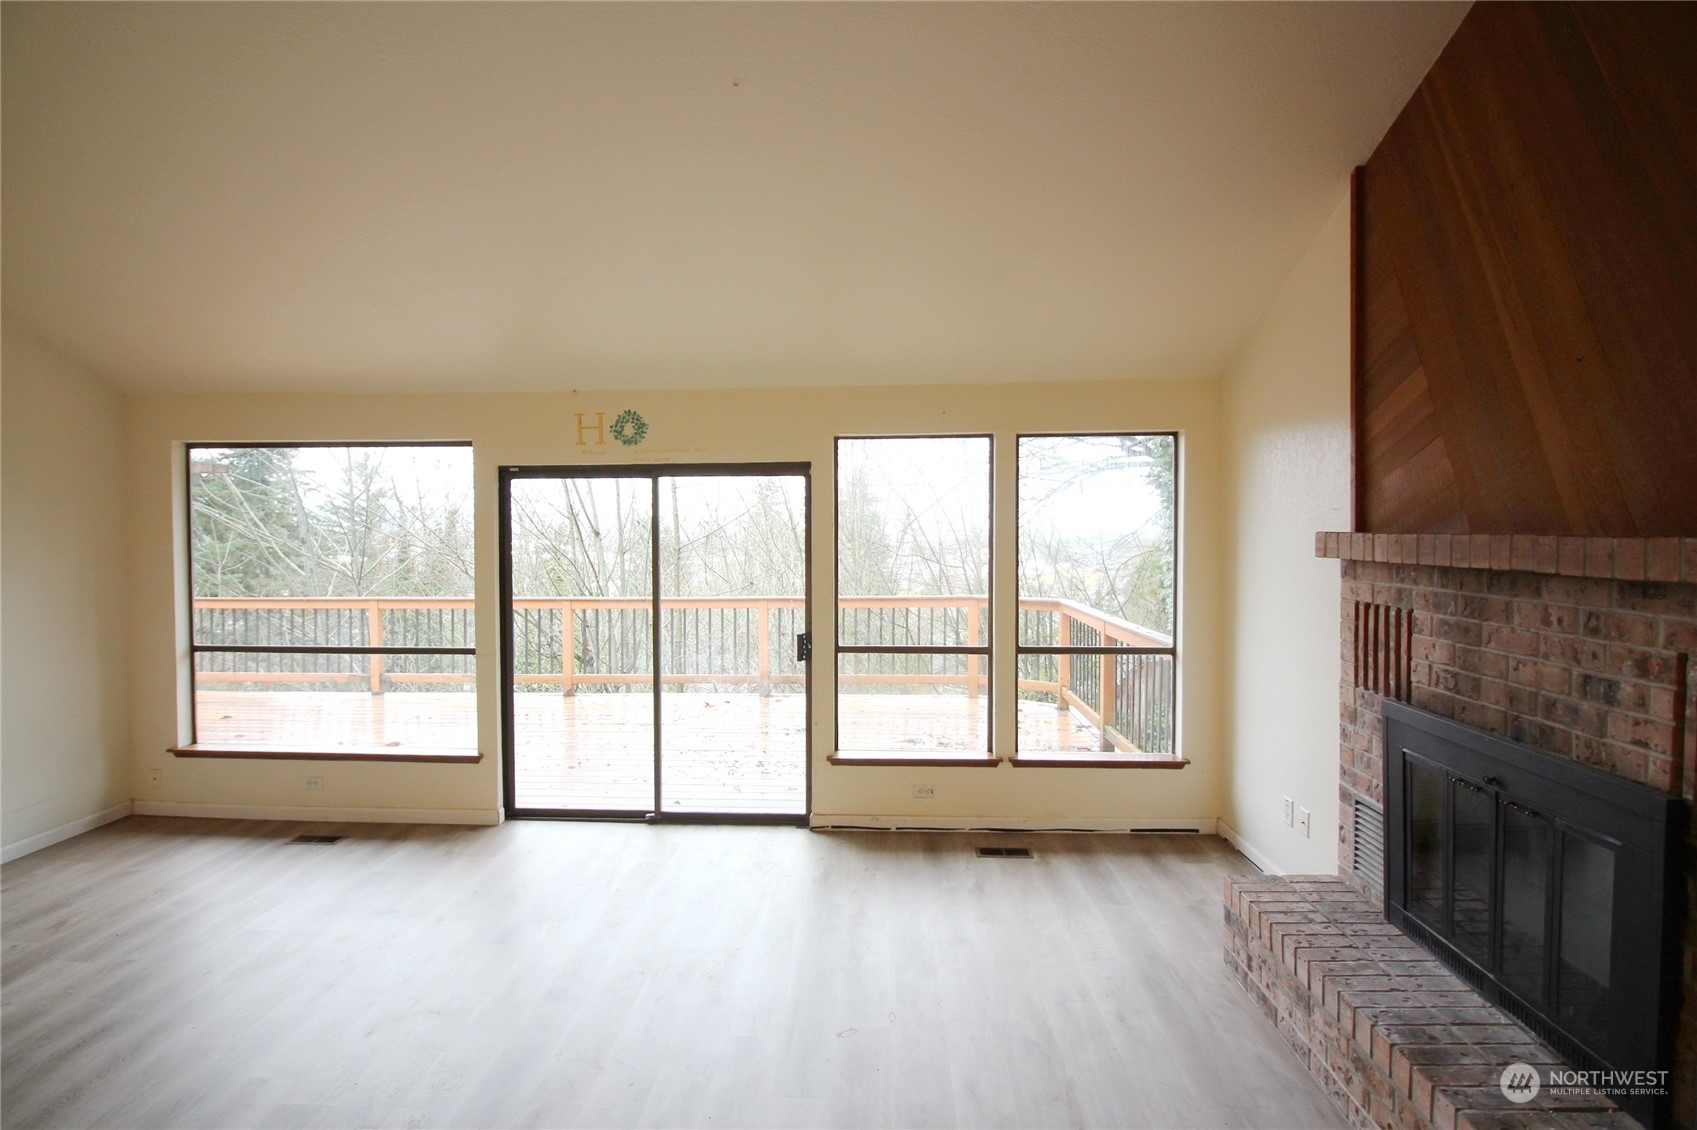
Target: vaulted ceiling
471, 196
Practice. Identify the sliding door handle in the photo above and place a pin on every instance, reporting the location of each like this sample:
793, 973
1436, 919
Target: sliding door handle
803, 647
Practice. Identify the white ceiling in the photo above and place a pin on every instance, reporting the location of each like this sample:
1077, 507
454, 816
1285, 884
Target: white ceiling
473, 196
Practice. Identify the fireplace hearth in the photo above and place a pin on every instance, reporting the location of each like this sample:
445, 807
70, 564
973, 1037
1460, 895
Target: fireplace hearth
1553, 889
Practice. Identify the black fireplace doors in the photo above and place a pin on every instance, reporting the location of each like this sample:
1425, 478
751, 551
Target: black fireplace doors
1551, 887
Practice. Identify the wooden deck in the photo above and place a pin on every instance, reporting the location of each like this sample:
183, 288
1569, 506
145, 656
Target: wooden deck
353, 720
726, 752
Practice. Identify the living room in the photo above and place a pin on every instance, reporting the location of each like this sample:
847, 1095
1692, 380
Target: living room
774, 236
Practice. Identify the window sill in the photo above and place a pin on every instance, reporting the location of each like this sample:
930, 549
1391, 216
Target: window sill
1052, 761
863, 757
352, 753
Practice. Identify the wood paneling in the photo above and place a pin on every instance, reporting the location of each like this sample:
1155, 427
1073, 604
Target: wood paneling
1526, 302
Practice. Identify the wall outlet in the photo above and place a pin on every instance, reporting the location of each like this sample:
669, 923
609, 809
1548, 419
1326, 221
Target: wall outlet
314, 785
1302, 821
1290, 812
924, 792
155, 778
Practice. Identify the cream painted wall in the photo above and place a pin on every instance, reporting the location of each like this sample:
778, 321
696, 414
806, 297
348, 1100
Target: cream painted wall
64, 692
1288, 438
692, 426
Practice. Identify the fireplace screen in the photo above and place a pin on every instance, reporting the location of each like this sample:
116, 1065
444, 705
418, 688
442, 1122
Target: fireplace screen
1555, 882
1549, 886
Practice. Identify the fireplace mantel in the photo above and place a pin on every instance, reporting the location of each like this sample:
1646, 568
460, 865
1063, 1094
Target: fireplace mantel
1608, 559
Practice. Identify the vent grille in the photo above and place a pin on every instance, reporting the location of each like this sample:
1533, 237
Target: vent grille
316, 840
1384, 646
1570, 1050
1466, 970
1369, 861
1004, 853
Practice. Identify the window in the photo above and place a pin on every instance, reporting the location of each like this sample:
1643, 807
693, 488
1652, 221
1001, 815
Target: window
913, 585
332, 601
1097, 581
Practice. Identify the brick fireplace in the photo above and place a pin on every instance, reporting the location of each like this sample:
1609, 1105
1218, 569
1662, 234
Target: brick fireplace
1578, 647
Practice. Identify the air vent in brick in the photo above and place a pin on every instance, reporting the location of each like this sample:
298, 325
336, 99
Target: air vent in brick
1384, 641
1369, 860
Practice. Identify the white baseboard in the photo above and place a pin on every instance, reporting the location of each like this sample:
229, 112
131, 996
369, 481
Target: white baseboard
322, 814
64, 832
842, 821
1233, 837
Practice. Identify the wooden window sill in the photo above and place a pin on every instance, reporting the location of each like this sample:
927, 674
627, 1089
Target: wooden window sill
1037, 761
352, 753
969, 760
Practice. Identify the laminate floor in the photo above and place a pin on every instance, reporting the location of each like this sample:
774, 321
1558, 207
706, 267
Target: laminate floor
189, 973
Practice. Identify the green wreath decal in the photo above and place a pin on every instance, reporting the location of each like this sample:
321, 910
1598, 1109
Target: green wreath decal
629, 429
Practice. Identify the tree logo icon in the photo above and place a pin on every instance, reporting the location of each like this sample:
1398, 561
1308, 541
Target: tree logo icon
1520, 1083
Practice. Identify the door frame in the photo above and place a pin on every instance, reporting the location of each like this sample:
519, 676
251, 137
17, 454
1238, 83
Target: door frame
653, 472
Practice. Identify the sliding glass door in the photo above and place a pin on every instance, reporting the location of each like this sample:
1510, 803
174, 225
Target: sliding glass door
581, 721
654, 627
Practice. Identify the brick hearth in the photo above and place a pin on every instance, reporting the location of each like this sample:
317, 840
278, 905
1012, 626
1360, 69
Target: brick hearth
1387, 1031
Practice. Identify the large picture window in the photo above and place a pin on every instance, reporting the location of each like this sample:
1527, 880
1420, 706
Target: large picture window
1097, 597
332, 600
913, 585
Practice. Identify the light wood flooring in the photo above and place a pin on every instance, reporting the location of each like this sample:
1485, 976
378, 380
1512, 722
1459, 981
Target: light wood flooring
187, 973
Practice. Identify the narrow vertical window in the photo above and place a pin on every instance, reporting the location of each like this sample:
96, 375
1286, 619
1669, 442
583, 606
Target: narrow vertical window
1097, 596
332, 600
913, 586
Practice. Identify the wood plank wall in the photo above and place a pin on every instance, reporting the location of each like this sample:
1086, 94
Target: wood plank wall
1526, 274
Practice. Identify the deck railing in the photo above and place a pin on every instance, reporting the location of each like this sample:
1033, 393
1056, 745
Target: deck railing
1129, 698
717, 641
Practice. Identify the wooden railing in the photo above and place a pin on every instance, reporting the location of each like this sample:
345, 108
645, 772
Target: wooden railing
751, 638
1128, 698
730, 641
331, 622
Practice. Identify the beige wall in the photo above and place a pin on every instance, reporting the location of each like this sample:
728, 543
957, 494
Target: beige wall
64, 693
1265, 465
1287, 432
694, 426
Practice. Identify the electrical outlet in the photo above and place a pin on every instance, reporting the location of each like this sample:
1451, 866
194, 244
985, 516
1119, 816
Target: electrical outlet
924, 792
1302, 821
314, 784
155, 778
1290, 812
